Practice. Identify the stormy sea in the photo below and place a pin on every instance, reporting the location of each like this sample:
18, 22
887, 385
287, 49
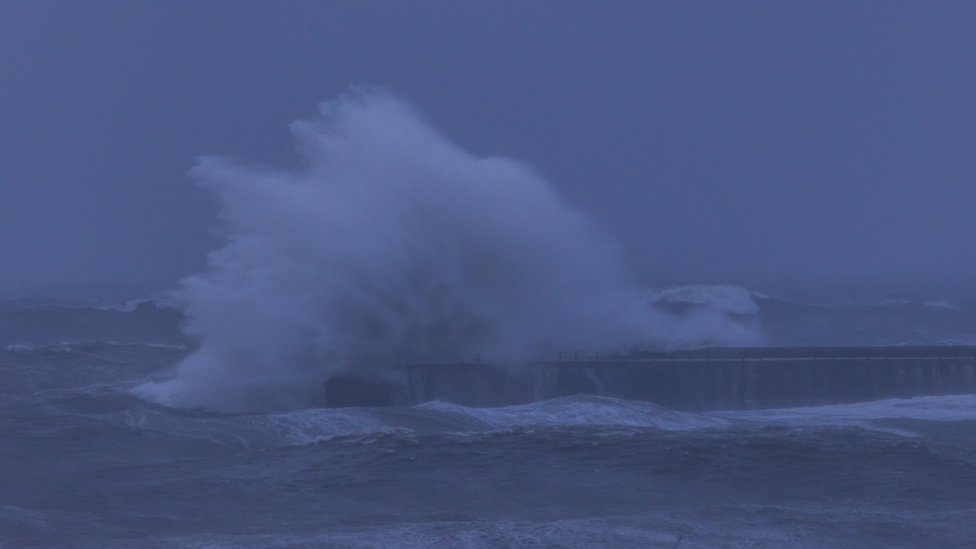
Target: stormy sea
86, 463
196, 417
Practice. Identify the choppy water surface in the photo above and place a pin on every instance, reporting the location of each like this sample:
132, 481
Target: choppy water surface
86, 464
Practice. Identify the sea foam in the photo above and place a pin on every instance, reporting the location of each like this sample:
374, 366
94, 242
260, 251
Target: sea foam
395, 245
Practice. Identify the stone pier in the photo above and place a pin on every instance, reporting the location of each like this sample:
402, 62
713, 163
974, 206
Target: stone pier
704, 379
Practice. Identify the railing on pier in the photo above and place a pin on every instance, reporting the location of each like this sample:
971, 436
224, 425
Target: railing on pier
774, 353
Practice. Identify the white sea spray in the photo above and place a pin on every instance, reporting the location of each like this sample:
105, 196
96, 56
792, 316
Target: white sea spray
396, 245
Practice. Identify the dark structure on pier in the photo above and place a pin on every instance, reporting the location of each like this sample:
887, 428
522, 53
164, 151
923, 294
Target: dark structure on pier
704, 379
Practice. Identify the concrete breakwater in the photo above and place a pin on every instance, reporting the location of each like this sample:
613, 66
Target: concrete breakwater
704, 379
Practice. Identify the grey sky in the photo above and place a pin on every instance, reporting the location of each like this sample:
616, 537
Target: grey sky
734, 142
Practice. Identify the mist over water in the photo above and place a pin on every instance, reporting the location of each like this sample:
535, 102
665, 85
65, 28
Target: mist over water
395, 245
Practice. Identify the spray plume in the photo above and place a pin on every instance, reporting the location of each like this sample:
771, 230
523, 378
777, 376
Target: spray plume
394, 245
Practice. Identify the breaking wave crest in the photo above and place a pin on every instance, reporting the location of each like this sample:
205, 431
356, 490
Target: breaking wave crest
396, 245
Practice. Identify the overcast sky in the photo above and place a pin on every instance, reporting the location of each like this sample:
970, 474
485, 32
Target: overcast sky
717, 142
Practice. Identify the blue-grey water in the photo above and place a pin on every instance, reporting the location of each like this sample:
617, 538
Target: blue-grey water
85, 463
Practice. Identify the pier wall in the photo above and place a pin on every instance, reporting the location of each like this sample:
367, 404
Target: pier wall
708, 379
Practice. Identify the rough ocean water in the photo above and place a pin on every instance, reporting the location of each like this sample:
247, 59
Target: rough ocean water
194, 420
88, 464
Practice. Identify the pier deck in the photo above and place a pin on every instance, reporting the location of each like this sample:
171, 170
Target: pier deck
704, 379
